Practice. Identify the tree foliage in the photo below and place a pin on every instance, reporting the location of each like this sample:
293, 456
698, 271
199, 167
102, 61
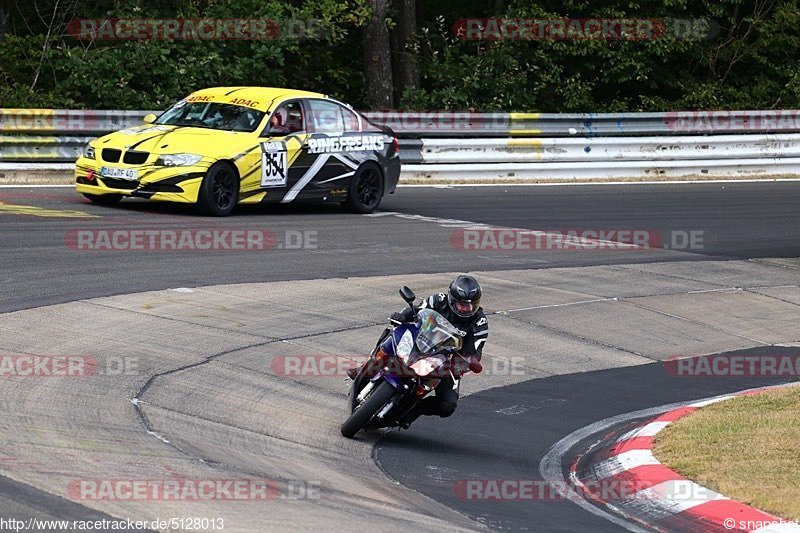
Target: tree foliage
749, 60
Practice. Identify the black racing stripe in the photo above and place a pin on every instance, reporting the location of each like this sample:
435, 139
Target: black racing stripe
352, 158
161, 135
145, 174
173, 130
306, 160
133, 146
174, 180
241, 155
327, 172
250, 194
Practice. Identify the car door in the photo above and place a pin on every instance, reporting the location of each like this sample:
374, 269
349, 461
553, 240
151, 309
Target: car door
278, 163
335, 140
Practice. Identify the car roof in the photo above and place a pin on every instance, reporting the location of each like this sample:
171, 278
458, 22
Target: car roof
261, 98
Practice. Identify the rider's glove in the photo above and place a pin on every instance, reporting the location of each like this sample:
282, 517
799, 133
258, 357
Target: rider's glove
406, 315
464, 364
474, 364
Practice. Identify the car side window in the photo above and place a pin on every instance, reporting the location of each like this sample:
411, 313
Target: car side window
351, 122
288, 118
326, 116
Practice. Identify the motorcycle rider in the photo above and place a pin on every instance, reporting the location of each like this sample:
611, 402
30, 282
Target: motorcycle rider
461, 307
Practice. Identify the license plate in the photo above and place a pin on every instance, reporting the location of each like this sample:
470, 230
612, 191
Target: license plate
120, 173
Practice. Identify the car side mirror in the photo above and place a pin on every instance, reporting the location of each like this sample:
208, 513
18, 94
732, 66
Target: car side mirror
149, 118
408, 295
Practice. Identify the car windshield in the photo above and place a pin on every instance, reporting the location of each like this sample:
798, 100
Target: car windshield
213, 115
436, 333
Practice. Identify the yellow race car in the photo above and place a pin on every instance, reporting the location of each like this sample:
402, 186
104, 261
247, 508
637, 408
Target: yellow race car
225, 146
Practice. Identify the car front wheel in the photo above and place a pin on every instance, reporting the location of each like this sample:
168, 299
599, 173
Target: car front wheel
219, 192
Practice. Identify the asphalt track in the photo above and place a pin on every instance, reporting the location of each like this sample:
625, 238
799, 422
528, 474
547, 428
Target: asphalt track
738, 220
485, 444
590, 327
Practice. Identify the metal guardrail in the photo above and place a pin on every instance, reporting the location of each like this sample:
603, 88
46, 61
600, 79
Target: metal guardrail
611, 170
414, 124
33, 148
498, 145
605, 149
73, 122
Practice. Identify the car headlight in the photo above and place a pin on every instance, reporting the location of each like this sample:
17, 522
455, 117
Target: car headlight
88, 152
178, 160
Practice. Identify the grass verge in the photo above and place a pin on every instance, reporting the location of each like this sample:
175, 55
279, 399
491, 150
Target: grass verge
746, 448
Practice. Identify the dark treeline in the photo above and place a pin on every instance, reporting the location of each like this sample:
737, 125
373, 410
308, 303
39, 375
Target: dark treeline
699, 54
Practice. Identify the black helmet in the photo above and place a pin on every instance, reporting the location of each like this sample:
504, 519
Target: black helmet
464, 296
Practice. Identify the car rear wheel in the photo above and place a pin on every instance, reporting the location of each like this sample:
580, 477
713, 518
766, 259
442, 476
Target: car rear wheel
104, 199
366, 189
219, 192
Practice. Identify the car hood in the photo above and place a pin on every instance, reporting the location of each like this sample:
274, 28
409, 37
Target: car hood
163, 139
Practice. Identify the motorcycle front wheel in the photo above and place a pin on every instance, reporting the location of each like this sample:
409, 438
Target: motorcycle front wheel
364, 413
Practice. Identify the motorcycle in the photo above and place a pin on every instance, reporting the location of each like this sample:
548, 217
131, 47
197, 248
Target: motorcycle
408, 362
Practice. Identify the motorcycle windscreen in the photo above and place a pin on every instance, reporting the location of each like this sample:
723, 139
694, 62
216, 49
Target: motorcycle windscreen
436, 333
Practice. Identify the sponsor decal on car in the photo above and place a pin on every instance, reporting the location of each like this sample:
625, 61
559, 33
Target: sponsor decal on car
245, 102
200, 98
355, 143
274, 164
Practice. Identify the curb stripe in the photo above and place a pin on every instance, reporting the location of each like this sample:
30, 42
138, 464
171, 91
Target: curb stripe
718, 511
671, 416
704, 403
635, 443
666, 498
624, 461
647, 476
648, 430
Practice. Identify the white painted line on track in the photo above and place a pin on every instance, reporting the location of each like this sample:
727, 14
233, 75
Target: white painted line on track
614, 299
36, 186
567, 239
570, 183
724, 289
554, 184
